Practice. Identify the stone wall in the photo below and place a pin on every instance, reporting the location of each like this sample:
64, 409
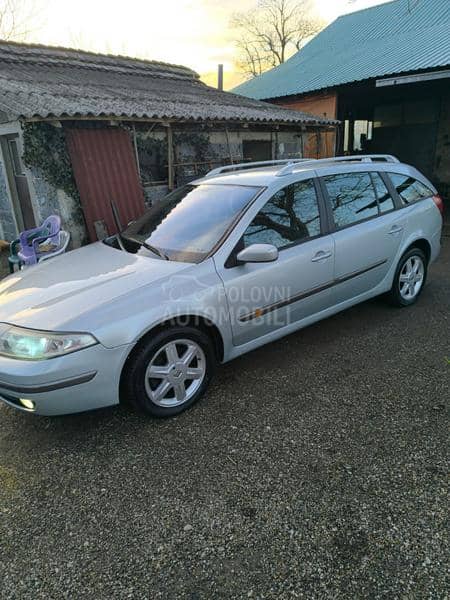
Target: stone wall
49, 201
154, 193
46, 200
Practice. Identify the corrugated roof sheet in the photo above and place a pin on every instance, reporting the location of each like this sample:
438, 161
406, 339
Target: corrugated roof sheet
43, 82
391, 38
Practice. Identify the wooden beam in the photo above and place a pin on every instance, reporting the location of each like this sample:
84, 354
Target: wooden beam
136, 153
302, 143
170, 168
351, 135
227, 135
195, 122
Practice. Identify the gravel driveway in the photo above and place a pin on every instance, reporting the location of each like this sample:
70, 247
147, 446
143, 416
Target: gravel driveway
315, 468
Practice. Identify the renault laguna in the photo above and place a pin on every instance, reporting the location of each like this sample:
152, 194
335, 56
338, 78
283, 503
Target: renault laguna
237, 259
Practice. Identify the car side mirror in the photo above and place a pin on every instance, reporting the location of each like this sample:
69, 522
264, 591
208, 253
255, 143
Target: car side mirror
258, 253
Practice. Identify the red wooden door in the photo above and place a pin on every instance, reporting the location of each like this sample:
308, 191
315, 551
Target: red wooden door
105, 171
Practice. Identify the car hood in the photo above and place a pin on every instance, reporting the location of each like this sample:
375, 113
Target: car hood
52, 294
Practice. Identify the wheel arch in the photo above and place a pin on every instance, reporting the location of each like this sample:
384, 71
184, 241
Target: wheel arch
188, 320
422, 244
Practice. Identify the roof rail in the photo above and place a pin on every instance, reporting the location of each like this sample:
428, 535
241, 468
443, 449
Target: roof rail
251, 165
291, 168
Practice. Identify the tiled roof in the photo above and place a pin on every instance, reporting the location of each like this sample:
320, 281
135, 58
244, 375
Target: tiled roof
42, 82
395, 37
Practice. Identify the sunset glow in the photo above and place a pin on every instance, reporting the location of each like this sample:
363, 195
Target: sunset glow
195, 33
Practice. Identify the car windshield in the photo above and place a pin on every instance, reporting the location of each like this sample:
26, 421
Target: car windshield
188, 223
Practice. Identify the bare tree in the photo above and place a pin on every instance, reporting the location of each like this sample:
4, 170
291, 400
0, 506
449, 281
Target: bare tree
17, 19
269, 34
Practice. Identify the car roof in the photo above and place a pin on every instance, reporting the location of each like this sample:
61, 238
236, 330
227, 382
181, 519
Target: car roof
266, 174
261, 176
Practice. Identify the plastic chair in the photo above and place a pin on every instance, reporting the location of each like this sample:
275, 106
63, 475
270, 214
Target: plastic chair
13, 258
64, 239
29, 241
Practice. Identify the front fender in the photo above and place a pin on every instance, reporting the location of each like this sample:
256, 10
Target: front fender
197, 292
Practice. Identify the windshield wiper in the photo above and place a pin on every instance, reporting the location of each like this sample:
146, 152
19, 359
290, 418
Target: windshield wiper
119, 241
147, 246
155, 250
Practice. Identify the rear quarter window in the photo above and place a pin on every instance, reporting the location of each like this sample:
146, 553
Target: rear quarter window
409, 189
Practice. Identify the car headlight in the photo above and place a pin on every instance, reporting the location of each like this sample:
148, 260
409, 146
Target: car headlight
31, 344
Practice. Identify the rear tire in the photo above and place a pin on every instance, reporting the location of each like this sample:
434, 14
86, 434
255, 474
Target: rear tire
409, 279
170, 371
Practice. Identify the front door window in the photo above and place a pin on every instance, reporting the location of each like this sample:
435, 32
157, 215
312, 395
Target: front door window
289, 217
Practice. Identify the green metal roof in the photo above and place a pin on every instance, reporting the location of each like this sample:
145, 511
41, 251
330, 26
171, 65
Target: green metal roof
387, 39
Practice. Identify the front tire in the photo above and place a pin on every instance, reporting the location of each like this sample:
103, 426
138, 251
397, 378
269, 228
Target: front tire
169, 371
409, 279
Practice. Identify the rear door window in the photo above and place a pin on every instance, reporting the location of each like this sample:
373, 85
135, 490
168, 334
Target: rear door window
352, 197
409, 189
385, 200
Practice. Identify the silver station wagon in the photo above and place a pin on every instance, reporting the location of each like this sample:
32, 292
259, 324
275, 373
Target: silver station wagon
235, 260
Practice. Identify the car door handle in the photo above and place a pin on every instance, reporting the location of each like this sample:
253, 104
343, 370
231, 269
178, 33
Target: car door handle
395, 229
321, 256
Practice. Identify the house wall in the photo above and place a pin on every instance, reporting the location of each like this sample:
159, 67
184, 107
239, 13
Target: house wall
219, 150
316, 104
45, 199
48, 200
151, 143
285, 144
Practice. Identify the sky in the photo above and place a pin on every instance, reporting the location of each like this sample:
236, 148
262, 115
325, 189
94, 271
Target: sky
195, 33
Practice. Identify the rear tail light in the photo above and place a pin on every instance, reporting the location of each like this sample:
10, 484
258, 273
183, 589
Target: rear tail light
439, 203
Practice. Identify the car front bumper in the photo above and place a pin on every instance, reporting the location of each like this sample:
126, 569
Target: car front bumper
81, 381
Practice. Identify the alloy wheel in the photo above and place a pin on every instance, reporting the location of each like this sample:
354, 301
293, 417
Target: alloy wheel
412, 277
175, 373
